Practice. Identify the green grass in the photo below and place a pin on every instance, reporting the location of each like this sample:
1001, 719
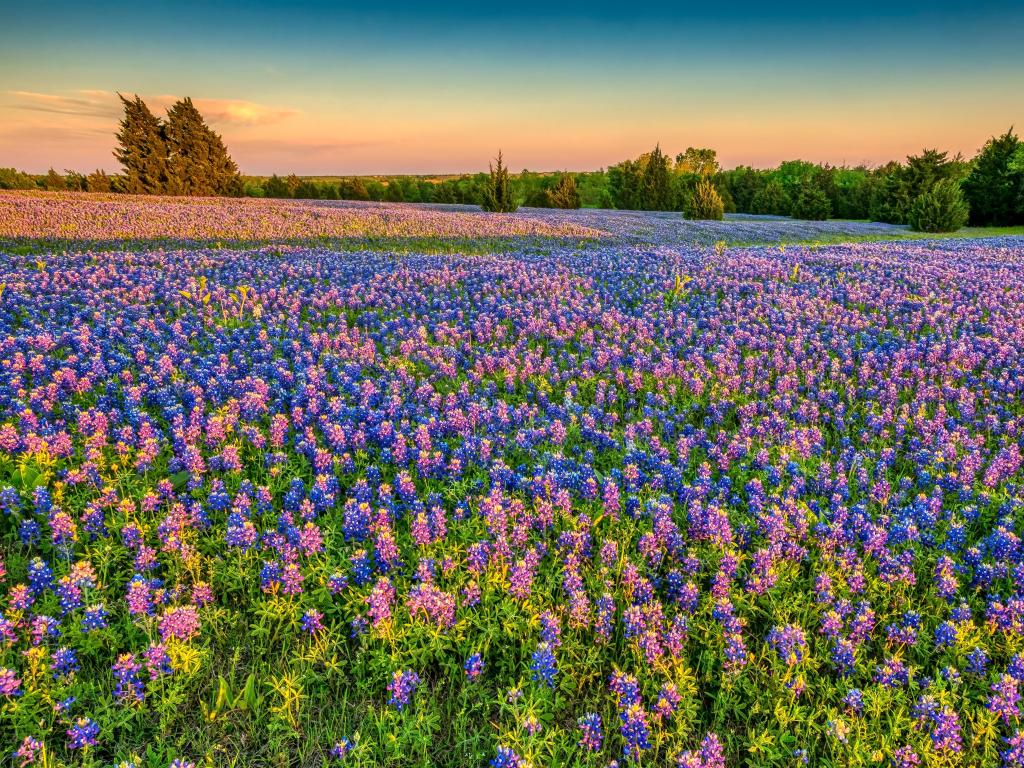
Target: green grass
967, 233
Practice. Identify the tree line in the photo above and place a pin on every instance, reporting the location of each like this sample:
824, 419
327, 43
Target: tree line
177, 155
931, 191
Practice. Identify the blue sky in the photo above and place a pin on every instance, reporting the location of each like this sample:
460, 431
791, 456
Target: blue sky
414, 87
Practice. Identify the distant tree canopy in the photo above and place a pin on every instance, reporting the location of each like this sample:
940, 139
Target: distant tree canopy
702, 162
181, 155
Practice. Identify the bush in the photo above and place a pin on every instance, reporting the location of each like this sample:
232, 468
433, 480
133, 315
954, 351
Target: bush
811, 204
564, 194
941, 209
498, 195
706, 203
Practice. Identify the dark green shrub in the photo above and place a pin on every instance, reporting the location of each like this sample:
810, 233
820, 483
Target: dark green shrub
275, 186
564, 194
307, 190
772, 200
811, 204
941, 209
498, 195
705, 202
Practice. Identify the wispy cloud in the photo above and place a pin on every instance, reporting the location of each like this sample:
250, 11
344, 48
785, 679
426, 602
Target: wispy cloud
84, 103
237, 112
104, 104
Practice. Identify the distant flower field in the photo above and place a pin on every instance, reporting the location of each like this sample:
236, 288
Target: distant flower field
610, 503
99, 217
106, 218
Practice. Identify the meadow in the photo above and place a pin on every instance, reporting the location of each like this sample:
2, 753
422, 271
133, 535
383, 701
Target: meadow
296, 483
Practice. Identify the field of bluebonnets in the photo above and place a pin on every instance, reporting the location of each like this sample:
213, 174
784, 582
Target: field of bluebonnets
577, 489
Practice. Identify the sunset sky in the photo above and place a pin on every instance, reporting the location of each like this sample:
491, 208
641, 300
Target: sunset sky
347, 88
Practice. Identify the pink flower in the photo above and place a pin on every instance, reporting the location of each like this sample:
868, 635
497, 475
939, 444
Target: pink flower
181, 623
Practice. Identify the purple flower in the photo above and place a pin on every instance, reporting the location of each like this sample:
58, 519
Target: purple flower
474, 666
505, 758
312, 622
10, 684
402, 686
83, 733
591, 736
543, 665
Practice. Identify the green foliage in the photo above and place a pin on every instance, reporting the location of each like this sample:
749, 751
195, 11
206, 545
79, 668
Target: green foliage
811, 204
941, 209
852, 190
252, 188
307, 190
198, 163
54, 181
75, 181
564, 194
142, 149
624, 185
656, 191
353, 189
897, 186
705, 203
994, 188
179, 156
99, 181
275, 186
795, 175
742, 184
772, 200
498, 194
702, 162
644, 184
14, 179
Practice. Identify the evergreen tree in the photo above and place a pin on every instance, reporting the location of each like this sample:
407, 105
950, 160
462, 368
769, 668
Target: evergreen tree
275, 187
888, 198
994, 187
498, 195
624, 185
742, 184
705, 202
656, 193
446, 193
772, 200
564, 194
141, 149
198, 163
811, 204
924, 170
941, 209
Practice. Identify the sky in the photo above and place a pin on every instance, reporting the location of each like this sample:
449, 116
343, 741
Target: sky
336, 88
